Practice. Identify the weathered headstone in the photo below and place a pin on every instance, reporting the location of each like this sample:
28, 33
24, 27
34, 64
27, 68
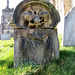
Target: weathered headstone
35, 33
69, 29
5, 36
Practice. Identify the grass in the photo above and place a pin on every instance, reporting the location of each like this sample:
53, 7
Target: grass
65, 65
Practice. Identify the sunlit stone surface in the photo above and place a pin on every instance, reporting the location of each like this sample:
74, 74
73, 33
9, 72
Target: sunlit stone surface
69, 30
35, 33
5, 36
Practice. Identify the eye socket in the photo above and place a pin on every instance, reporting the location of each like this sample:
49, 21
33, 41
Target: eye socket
32, 21
26, 23
42, 19
35, 12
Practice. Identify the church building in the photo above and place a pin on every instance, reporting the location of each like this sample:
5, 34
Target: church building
6, 18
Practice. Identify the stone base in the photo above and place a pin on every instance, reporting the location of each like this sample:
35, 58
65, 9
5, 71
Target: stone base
38, 46
5, 36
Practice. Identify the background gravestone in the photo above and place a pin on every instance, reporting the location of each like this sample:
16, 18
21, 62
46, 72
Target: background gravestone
6, 18
35, 33
5, 36
69, 29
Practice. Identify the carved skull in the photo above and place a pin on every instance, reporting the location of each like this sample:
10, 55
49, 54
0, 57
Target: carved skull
36, 14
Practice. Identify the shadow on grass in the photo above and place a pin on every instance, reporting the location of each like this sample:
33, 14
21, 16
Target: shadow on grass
65, 65
8, 63
2, 62
65, 53
66, 57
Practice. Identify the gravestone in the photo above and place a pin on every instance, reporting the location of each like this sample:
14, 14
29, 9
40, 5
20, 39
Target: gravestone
35, 32
69, 29
0, 31
5, 36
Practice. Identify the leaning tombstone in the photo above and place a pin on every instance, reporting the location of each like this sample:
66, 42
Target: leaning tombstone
69, 30
35, 32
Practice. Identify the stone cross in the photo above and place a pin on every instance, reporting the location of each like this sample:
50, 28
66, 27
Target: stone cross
7, 3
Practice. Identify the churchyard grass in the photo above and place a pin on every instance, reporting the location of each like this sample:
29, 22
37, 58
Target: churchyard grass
65, 65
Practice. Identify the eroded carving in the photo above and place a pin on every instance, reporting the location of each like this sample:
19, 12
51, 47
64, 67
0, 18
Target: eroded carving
36, 40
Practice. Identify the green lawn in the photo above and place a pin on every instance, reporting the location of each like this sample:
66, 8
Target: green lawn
65, 65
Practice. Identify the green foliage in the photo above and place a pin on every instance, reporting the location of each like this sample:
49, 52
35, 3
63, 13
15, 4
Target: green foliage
6, 56
8, 43
65, 65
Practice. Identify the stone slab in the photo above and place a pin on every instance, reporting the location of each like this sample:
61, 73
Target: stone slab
69, 29
38, 46
5, 36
